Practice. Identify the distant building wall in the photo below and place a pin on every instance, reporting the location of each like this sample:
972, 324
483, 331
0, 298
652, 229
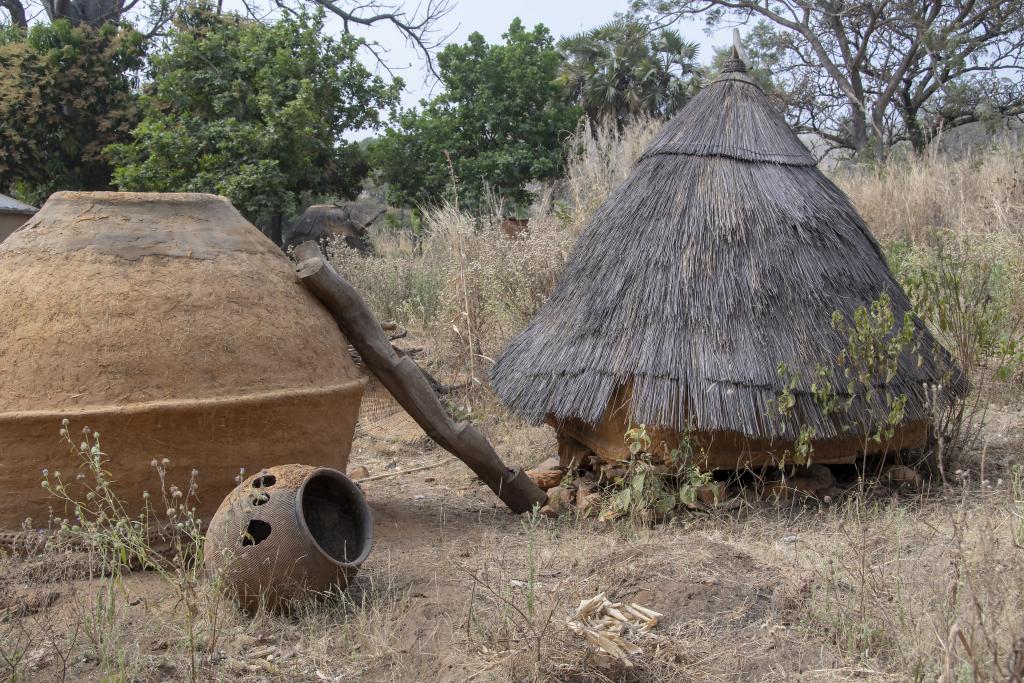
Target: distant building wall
9, 222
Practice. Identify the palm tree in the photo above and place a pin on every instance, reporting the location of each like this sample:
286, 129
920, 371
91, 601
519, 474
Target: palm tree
621, 70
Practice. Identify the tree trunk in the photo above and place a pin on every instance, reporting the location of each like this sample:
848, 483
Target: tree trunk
17, 11
917, 138
277, 229
881, 150
909, 114
858, 127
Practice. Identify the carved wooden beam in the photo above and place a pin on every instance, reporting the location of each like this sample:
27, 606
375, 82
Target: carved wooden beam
402, 377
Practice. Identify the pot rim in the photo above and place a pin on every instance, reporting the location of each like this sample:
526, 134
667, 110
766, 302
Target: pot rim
366, 525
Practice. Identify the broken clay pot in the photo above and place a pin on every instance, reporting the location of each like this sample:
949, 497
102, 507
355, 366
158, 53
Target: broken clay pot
287, 534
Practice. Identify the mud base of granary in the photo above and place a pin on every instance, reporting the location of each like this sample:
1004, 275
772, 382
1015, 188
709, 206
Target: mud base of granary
217, 437
722, 450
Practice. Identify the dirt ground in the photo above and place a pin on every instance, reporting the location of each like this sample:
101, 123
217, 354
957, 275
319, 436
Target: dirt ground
459, 589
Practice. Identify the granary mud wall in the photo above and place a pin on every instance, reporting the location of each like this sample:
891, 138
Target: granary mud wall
174, 328
718, 449
729, 450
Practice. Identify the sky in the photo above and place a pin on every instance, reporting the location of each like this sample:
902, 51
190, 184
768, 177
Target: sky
491, 18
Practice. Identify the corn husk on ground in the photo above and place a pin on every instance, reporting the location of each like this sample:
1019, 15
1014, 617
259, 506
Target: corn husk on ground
612, 627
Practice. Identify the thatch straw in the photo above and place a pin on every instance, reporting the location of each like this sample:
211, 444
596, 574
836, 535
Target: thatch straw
723, 255
323, 222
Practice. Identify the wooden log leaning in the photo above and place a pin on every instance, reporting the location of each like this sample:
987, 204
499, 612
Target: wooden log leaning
402, 377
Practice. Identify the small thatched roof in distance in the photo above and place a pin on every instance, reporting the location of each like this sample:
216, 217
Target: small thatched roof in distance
324, 221
723, 255
12, 205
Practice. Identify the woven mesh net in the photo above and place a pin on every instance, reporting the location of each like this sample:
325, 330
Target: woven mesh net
381, 417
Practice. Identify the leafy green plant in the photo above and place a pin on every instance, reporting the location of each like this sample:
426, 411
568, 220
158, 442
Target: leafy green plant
500, 118
969, 302
637, 440
782, 410
642, 491
692, 478
970, 297
622, 70
66, 91
687, 470
868, 361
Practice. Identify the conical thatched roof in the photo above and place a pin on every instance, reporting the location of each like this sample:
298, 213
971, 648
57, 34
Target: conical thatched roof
325, 221
723, 255
12, 205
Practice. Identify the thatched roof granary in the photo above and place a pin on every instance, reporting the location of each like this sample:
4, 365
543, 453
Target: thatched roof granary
724, 254
172, 326
323, 222
13, 215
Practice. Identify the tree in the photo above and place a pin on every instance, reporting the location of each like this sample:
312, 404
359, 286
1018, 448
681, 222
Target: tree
253, 112
153, 14
497, 125
622, 70
867, 74
65, 93
419, 27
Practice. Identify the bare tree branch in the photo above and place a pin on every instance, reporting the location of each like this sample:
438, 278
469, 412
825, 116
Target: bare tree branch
880, 71
420, 27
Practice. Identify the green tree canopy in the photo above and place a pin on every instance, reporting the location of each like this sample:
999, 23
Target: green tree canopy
500, 119
622, 70
254, 112
65, 93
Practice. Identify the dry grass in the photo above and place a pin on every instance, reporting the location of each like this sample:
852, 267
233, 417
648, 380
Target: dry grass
879, 587
906, 200
470, 286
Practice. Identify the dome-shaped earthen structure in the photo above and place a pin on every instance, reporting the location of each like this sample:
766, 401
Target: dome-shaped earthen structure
171, 325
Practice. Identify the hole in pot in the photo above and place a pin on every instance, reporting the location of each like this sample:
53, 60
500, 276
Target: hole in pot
260, 498
265, 481
334, 517
257, 531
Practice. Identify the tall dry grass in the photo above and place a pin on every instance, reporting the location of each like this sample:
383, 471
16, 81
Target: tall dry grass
907, 199
470, 286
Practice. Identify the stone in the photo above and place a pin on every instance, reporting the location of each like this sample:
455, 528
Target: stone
832, 494
358, 472
812, 480
585, 485
560, 500
545, 479
777, 490
710, 494
588, 502
549, 464
901, 475
615, 471
571, 453
819, 476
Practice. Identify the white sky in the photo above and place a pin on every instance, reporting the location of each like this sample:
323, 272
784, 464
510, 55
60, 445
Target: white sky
492, 17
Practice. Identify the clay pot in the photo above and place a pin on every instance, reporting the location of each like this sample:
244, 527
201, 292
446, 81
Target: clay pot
175, 328
288, 534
